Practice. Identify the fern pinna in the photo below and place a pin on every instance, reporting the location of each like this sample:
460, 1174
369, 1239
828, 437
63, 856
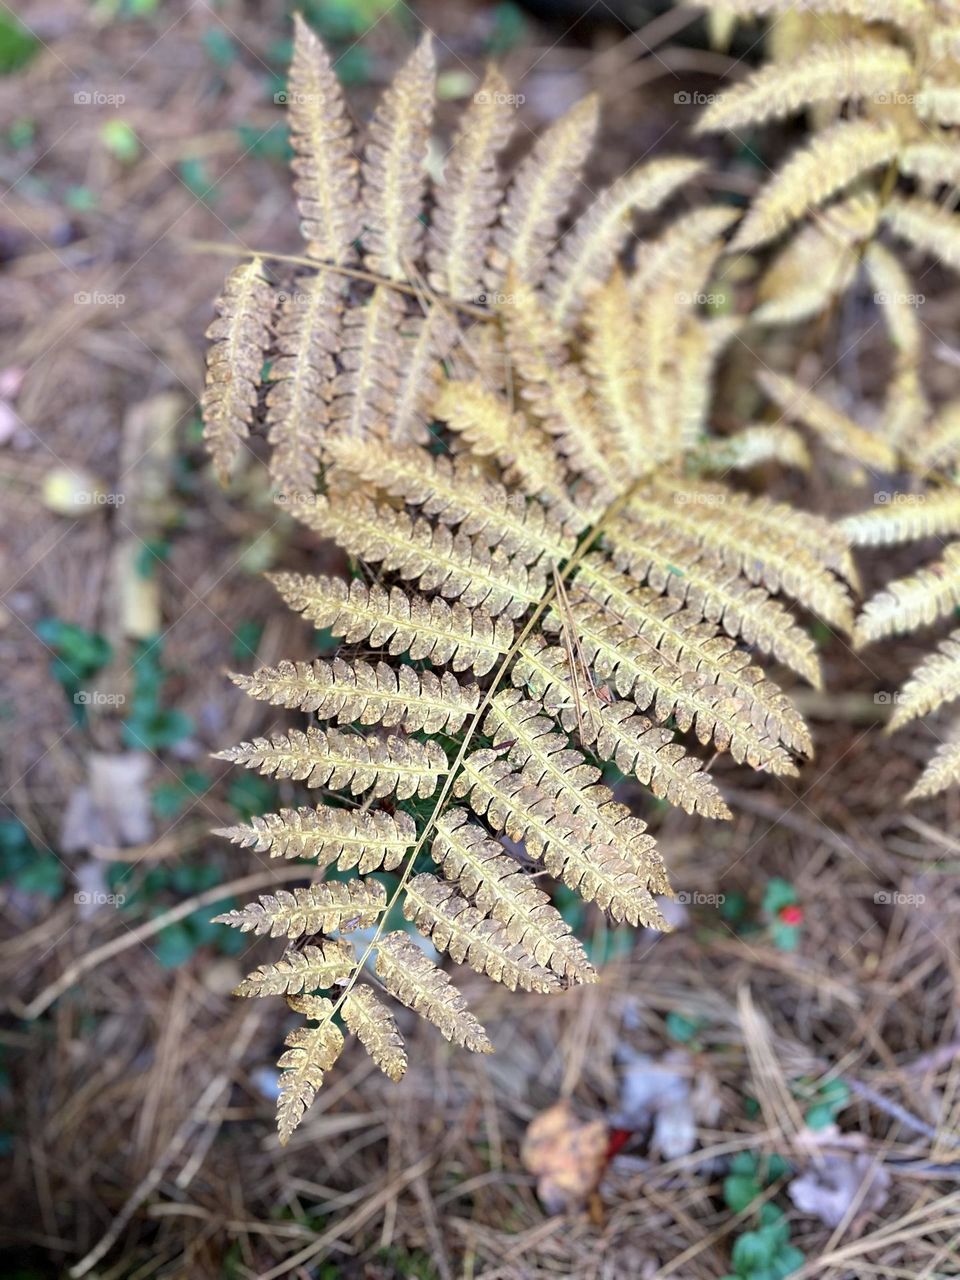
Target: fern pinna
505, 430
881, 83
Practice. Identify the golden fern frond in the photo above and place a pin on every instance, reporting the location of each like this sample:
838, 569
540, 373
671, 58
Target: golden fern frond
446, 917
915, 601
827, 72
467, 855
938, 448
699, 347
365, 390
838, 433
905, 517
751, 447
930, 228
333, 759
616, 376
314, 968
540, 193
936, 681
417, 701
458, 492
836, 157
239, 338
305, 339
318, 908
374, 1026
589, 250
399, 621
908, 14
895, 294
656, 261
934, 163
326, 170
417, 982
367, 840
469, 196
640, 748
939, 103
906, 409
425, 344
310, 1052
942, 771
394, 167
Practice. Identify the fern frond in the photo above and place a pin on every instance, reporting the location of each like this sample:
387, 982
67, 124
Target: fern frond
446, 917
319, 908
469, 196
938, 448
365, 390
942, 771
359, 692
939, 103
343, 760
310, 1052
936, 163
374, 1026
915, 601
417, 982
936, 681
930, 228
616, 376
907, 14
827, 72
751, 447
905, 410
367, 840
399, 621
426, 342
895, 294
325, 168
313, 969
394, 167
541, 191
239, 338
835, 158
657, 260
589, 250
699, 347
466, 854
905, 517
838, 432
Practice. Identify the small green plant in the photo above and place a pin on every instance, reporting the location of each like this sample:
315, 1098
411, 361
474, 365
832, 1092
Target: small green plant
764, 1252
784, 914
825, 1100
27, 868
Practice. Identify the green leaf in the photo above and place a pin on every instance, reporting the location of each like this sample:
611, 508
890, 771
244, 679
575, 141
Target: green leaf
787, 1261
739, 1189
219, 48
779, 893
250, 795
776, 1167
246, 639
751, 1251
120, 140
819, 1115
17, 45
174, 945
681, 1028
785, 937
744, 1162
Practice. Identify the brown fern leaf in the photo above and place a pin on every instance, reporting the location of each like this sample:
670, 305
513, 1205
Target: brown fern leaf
373, 1025
364, 392
310, 1052
425, 341
616, 377
320, 908
417, 982
350, 837
239, 339
312, 969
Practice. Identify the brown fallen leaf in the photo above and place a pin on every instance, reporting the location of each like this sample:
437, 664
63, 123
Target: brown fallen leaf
567, 1155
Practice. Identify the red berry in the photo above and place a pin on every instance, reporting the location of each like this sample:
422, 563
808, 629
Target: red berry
792, 915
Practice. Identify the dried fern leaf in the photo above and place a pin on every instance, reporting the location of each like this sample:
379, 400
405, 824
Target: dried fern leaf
239, 338
468, 199
753, 446
905, 517
942, 771
399, 621
458, 492
313, 969
424, 343
895, 294
374, 1026
908, 14
835, 158
616, 732
838, 432
366, 694
345, 761
324, 165
827, 72
589, 250
616, 376
466, 854
450, 922
394, 167
365, 391
927, 226
367, 840
936, 163
938, 447
699, 348
417, 982
540, 193
939, 103
547, 761
916, 601
319, 908
905, 410
657, 261
310, 1052
936, 681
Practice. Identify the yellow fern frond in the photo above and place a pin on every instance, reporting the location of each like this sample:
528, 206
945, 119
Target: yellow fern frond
935, 682
319, 908
324, 165
541, 191
905, 517
908, 14
313, 969
838, 432
417, 982
912, 602
359, 692
239, 338
658, 260
616, 376
367, 840
938, 447
942, 771
827, 72
751, 447
906, 409
928, 227
939, 103
896, 295
394, 167
446, 917
466, 854
935, 163
364, 392
310, 1052
399, 621
700, 345
374, 1026
425, 341
334, 759
836, 157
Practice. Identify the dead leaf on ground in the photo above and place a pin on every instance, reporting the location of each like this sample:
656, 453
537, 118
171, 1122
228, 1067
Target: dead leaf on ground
567, 1155
828, 1188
